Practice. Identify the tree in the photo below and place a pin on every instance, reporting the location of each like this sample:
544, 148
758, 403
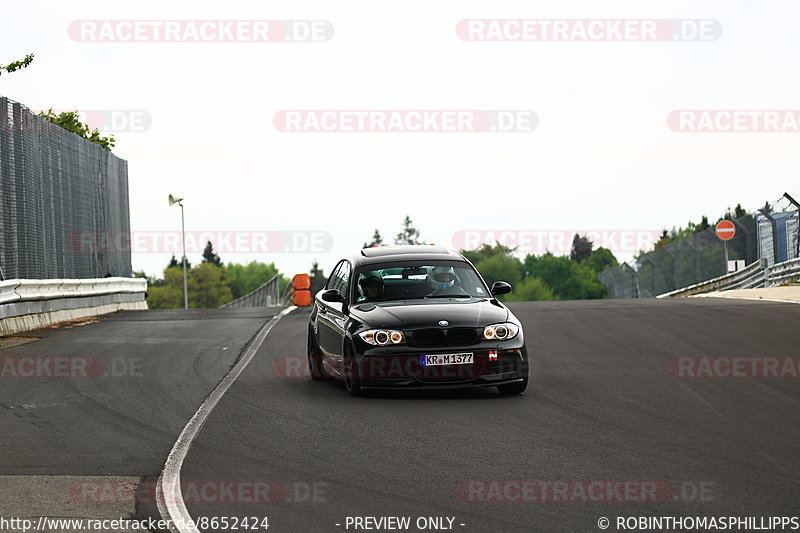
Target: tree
409, 234
175, 263
486, 251
377, 240
581, 248
243, 279
601, 259
17, 65
167, 293
70, 121
500, 268
739, 211
209, 256
569, 280
317, 278
665, 238
530, 289
767, 207
208, 286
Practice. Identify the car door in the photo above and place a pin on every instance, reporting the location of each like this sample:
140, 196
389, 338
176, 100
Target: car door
336, 318
325, 328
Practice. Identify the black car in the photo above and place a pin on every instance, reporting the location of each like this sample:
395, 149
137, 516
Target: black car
414, 316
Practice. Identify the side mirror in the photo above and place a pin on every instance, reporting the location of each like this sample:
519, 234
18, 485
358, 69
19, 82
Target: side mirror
332, 295
500, 287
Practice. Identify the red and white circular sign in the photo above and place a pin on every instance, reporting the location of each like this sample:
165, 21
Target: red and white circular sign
725, 230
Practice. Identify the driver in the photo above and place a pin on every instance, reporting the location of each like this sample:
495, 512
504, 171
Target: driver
441, 279
371, 286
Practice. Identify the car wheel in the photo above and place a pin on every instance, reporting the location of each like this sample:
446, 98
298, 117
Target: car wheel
315, 366
352, 380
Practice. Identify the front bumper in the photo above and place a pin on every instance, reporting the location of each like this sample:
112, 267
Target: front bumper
403, 370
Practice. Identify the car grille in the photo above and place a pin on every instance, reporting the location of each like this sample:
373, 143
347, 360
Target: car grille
433, 338
429, 338
461, 336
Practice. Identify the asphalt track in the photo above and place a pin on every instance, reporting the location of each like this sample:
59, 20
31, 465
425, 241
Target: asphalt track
116, 418
602, 408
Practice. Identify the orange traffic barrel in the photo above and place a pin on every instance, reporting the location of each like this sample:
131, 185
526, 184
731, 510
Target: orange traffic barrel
302, 297
302, 281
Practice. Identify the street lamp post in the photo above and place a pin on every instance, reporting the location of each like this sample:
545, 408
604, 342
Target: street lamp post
179, 201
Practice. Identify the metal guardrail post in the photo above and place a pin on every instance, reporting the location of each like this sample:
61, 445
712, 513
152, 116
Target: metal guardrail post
774, 224
797, 205
767, 272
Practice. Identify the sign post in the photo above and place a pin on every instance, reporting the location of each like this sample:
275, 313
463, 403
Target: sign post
725, 231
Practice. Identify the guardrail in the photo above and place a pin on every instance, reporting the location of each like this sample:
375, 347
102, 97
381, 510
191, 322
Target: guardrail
757, 274
266, 295
32, 303
783, 272
751, 276
288, 295
25, 290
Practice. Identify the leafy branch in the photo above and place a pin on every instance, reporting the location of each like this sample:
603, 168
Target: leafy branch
17, 65
70, 121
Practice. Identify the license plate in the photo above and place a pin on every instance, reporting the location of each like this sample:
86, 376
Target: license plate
446, 359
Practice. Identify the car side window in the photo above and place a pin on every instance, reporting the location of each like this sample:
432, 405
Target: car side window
344, 276
333, 278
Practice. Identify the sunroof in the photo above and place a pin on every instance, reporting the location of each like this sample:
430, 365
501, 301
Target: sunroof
380, 251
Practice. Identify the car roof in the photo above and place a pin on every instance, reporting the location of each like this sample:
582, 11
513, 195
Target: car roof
414, 252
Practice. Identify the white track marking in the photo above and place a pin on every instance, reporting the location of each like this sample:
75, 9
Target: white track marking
169, 496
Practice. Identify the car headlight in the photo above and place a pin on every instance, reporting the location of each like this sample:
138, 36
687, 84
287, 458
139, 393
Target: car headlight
500, 332
382, 337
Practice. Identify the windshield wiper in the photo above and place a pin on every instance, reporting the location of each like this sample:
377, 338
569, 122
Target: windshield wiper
449, 296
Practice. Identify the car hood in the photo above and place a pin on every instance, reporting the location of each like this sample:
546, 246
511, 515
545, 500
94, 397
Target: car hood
427, 313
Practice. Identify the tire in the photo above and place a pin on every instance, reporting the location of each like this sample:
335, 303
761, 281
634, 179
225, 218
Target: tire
315, 367
352, 380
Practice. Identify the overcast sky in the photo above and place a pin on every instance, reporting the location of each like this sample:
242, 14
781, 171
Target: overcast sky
602, 155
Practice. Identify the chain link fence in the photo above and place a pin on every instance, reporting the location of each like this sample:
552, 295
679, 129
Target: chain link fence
778, 238
688, 261
62, 199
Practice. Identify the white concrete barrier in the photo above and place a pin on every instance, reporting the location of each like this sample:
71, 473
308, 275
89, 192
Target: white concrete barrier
27, 304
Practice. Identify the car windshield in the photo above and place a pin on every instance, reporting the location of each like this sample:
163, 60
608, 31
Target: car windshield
415, 281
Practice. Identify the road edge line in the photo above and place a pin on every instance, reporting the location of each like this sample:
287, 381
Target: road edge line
774, 300
169, 496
